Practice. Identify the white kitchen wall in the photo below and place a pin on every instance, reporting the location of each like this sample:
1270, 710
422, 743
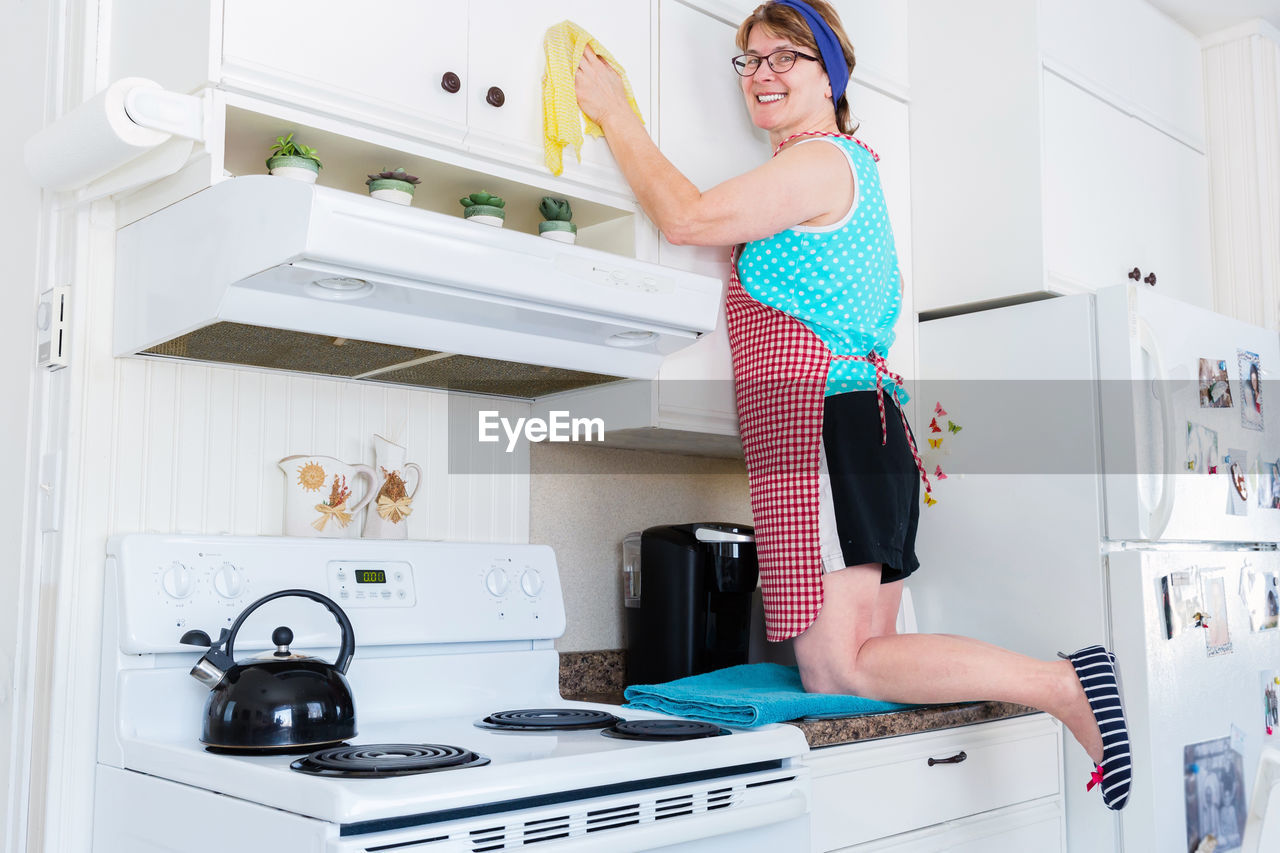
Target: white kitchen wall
195, 448
584, 500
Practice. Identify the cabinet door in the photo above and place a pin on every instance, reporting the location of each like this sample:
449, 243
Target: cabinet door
1172, 215
506, 53
886, 130
1090, 234
379, 62
1019, 829
878, 32
705, 131
1131, 54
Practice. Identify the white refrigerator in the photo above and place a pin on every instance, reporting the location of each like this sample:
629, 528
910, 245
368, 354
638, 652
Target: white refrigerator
1102, 454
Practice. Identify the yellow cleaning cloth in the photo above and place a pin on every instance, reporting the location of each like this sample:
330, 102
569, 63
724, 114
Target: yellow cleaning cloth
561, 117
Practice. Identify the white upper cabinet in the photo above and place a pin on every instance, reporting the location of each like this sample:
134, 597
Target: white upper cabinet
465, 75
878, 31
506, 61
369, 61
1057, 152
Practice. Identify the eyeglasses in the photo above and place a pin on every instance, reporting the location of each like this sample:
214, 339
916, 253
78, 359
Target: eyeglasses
780, 61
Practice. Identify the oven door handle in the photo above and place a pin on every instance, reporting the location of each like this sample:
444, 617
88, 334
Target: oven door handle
662, 833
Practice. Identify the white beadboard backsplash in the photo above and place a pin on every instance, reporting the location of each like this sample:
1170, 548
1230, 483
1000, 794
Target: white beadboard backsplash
195, 449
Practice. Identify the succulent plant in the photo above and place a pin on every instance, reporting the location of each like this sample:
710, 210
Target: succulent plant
397, 174
286, 147
555, 209
482, 198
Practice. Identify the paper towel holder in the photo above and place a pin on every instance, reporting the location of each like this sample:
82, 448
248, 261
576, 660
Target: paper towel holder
156, 130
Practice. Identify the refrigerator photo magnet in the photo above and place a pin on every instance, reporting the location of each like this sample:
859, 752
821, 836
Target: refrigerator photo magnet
1258, 591
1237, 462
1269, 485
1215, 389
1271, 700
1217, 636
1180, 593
1250, 390
1215, 793
1202, 448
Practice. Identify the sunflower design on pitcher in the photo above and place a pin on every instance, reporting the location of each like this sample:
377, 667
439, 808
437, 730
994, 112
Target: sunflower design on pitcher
311, 476
394, 503
336, 506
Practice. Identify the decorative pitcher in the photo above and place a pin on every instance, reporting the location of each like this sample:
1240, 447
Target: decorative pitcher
393, 503
319, 498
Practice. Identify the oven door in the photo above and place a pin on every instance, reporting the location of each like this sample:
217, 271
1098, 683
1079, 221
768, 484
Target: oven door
764, 812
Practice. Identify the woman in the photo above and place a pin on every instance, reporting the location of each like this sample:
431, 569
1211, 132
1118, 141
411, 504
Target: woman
831, 462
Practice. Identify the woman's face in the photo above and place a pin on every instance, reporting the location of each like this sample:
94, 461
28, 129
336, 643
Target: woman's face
798, 99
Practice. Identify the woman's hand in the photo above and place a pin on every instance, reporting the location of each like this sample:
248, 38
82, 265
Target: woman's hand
601, 94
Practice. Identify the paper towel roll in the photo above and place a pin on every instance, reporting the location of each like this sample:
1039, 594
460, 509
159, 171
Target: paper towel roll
91, 140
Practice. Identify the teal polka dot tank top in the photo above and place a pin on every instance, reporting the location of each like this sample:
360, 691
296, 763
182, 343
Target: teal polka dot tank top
840, 280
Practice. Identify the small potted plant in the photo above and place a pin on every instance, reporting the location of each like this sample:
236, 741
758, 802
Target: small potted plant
290, 160
556, 214
394, 185
483, 207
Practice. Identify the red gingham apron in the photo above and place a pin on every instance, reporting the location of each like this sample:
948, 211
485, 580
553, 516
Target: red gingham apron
780, 373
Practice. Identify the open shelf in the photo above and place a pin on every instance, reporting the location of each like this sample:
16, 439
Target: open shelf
348, 161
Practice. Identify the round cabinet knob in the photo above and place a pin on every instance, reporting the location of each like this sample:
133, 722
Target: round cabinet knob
1135, 273
531, 583
177, 581
228, 581
495, 97
496, 582
1150, 279
450, 82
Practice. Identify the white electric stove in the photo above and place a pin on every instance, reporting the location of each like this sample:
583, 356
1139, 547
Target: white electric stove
447, 634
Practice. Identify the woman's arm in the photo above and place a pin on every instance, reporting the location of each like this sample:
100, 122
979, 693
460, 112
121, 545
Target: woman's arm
797, 186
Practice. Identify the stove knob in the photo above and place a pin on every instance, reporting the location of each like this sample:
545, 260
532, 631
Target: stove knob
531, 583
496, 581
228, 581
177, 581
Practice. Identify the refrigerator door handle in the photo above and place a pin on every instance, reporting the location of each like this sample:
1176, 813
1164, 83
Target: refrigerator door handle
1159, 517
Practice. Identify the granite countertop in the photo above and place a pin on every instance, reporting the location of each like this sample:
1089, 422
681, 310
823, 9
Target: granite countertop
600, 677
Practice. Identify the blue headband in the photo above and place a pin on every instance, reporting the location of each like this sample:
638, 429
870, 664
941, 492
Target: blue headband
828, 46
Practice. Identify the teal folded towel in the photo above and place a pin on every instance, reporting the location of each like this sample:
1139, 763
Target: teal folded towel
749, 695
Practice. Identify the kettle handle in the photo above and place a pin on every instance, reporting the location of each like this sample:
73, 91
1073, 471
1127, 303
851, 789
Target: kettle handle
345, 651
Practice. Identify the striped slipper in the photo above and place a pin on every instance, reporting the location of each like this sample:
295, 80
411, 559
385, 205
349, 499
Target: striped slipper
1096, 669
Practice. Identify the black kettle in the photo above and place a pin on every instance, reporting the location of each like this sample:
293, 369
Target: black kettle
280, 702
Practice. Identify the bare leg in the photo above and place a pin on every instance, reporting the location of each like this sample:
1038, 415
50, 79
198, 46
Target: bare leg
849, 649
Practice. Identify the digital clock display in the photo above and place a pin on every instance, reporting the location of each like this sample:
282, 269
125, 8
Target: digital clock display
371, 576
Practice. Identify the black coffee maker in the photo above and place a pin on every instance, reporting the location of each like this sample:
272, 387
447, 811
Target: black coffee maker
687, 590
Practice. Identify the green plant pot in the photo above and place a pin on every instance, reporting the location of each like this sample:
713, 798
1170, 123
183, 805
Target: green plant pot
389, 189
298, 168
558, 230
486, 213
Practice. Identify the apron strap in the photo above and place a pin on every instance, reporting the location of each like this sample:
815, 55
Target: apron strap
882, 370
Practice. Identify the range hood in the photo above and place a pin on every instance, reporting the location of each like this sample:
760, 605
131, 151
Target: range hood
271, 272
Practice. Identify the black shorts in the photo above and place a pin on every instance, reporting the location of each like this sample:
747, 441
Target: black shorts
875, 488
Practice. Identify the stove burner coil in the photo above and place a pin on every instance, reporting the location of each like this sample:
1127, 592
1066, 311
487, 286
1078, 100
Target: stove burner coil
663, 730
377, 760
549, 719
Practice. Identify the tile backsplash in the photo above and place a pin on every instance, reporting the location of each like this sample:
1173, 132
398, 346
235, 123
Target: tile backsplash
584, 500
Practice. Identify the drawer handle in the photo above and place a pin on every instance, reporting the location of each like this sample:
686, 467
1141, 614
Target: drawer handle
955, 759
1150, 279
1135, 273
450, 83
494, 97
